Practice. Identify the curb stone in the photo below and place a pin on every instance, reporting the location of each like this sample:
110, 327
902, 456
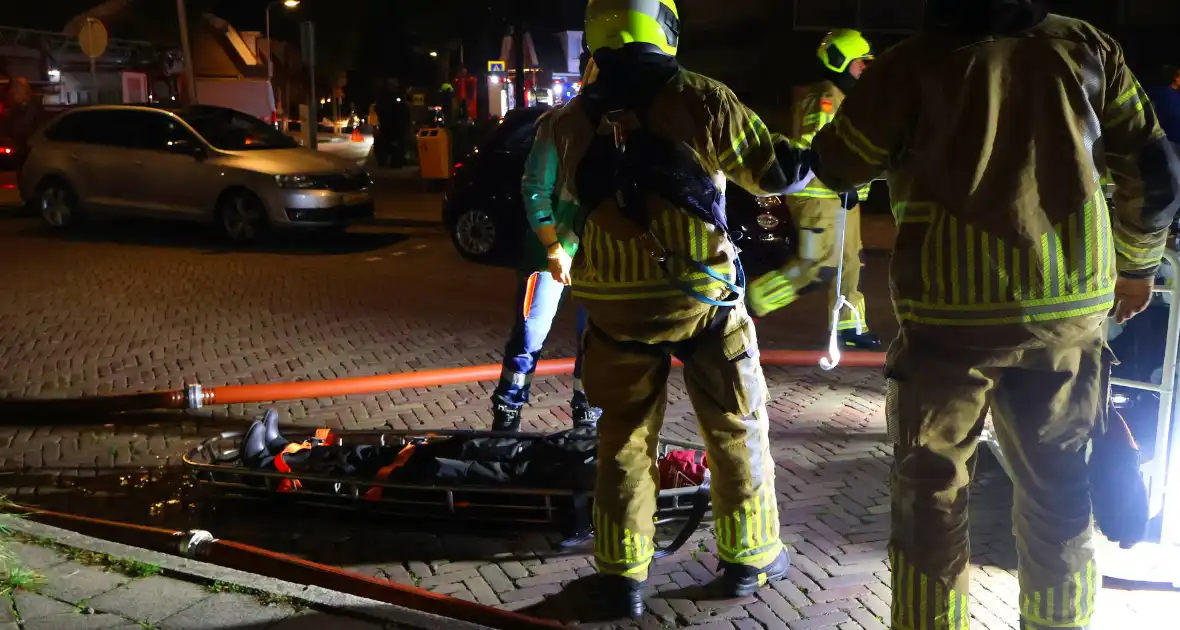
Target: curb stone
203, 572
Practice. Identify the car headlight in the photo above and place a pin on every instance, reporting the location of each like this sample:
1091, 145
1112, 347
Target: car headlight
295, 181
767, 221
767, 202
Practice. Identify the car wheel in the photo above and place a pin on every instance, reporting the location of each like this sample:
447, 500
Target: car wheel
58, 205
476, 234
242, 218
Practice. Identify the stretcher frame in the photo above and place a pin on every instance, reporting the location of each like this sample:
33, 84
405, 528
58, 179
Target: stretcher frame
1163, 471
213, 466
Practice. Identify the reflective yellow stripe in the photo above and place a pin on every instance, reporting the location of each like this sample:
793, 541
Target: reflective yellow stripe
611, 269
819, 192
971, 277
924, 602
743, 536
771, 292
1068, 605
755, 135
620, 551
1126, 108
870, 153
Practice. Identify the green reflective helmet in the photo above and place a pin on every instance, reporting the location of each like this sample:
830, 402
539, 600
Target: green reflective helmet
841, 47
616, 23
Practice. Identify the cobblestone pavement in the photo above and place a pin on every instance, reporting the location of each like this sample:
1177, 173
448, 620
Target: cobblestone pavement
133, 308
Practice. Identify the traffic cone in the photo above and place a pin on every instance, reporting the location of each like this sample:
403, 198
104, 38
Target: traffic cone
357, 136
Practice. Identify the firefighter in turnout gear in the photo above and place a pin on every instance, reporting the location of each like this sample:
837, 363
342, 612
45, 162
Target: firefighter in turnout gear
994, 127
816, 210
646, 150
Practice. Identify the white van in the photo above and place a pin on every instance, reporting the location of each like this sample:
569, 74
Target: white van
251, 96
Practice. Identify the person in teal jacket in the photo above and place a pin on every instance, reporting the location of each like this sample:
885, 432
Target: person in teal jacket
542, 286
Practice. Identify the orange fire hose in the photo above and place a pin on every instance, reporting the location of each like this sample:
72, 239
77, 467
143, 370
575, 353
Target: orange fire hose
195, 396
291, 569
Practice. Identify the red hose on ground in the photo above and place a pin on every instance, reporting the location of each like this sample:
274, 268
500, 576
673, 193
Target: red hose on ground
270, 392
231, 394
291, 569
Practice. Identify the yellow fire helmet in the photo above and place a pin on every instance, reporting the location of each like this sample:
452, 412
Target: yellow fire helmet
615, 23
841, 47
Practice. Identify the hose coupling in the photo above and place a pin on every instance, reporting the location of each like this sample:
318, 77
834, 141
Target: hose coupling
195, 543
194, 396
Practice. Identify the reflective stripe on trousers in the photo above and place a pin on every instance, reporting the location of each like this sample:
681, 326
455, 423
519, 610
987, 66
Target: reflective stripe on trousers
621, 551
923, 603
1070, 605
749, 534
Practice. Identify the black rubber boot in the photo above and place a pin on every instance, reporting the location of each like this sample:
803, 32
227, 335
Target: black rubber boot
622, 597
739, 580
584, 415
253, 451
506, 418
863, 341
275, 442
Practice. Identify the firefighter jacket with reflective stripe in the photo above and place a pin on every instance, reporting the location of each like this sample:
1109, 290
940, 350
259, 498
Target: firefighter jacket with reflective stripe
624, 291
994, 148
816, 109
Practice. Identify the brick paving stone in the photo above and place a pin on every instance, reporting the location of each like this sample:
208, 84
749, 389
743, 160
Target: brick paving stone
661, 608
514, 570
765, 616
822, 621
778, 604
529, 593
546, 578
496, 578
729, 612
867, 620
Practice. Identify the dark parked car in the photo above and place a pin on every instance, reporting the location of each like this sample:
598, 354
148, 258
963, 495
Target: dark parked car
485, 215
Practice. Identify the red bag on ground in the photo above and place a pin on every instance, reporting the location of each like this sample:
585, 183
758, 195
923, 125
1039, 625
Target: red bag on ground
683, 469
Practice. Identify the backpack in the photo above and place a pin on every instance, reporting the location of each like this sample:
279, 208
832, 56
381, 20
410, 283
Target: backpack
627, 163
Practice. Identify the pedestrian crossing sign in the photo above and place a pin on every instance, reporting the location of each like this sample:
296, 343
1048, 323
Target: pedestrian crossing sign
497, 66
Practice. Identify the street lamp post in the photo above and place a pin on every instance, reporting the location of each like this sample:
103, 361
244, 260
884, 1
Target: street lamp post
186, 47
270, 47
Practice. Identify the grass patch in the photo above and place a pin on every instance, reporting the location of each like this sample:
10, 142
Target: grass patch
126, 566
265, 598
17, 577
12, 574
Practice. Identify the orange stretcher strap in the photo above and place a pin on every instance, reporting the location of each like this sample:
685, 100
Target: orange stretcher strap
403, 456
325, 437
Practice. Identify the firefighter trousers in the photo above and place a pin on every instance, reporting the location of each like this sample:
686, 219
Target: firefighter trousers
816, 261
724, 381
1044, 403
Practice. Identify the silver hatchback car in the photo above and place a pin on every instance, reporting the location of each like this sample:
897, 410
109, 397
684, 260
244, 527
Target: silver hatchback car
205, 164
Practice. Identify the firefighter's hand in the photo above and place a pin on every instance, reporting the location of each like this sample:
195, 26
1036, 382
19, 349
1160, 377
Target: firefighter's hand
849, 200
1132, 295
560, 263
